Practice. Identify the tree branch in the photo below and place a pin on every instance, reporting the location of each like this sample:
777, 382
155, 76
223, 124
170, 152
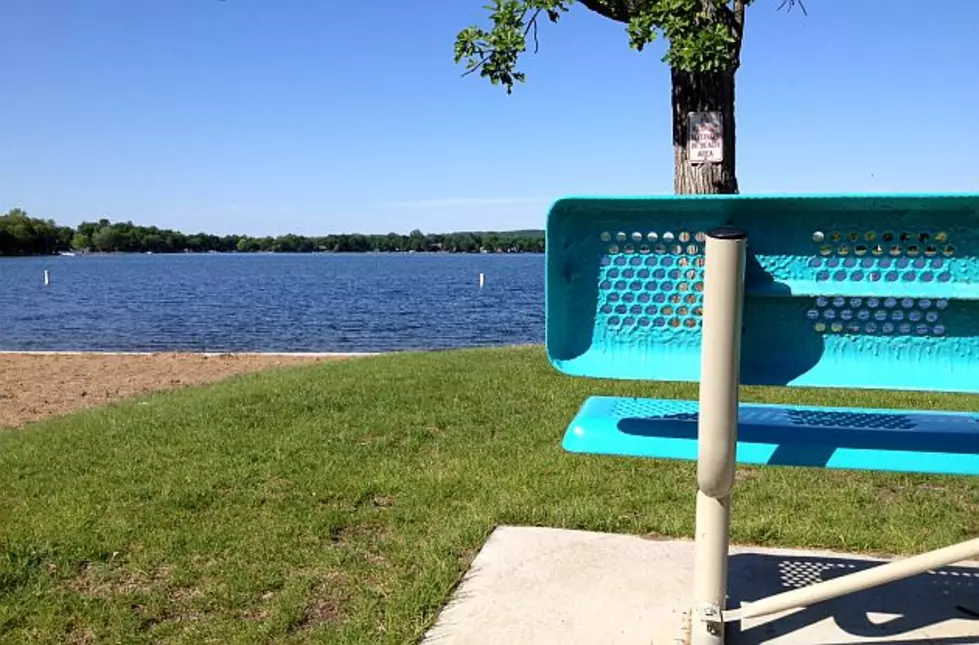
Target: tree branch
475, 66
533, 21
618, 10
792, 3
738, 30
531, 26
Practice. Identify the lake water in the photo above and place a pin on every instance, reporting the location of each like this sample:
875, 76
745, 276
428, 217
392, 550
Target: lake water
270, 302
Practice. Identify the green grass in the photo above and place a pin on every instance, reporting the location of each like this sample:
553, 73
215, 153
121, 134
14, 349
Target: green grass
341, 503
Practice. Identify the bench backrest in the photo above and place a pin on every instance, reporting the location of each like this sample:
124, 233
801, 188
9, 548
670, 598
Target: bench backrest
878, 291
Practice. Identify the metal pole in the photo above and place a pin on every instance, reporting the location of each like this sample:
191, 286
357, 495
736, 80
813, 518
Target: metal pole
858, 581
717, 431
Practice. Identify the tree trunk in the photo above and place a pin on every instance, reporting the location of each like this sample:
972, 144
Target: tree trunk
703, 92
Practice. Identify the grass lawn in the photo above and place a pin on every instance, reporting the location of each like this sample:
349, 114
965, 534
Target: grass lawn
341, 502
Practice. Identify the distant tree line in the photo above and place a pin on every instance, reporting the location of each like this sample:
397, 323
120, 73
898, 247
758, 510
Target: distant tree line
24, 235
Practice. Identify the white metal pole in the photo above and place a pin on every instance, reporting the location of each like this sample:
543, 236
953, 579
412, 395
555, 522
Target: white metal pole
717, 431
858, 581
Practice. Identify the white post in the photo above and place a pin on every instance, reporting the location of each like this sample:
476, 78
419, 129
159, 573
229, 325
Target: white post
47, 277
482, 280
717, 430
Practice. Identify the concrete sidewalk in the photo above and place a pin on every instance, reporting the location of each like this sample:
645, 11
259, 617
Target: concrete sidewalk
539, 586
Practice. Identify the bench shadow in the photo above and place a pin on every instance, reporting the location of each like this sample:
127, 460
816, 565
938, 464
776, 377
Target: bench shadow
808, 438
909, 605
778, 343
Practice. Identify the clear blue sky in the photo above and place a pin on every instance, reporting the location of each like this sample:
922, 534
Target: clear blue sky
317, 116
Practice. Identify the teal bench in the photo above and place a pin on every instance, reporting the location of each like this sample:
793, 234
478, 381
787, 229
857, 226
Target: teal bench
841, 291
849, 292
785, 435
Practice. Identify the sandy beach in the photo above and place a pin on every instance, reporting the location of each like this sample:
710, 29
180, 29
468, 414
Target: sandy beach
37, 385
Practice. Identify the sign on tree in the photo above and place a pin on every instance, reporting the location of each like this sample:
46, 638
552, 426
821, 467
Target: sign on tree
705, 137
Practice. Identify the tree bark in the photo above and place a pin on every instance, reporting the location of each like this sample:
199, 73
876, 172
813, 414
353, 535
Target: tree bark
703, 92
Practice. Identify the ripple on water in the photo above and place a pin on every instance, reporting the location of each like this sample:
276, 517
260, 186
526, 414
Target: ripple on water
374, 302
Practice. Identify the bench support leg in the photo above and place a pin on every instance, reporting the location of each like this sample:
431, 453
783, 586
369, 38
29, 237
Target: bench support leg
718, 428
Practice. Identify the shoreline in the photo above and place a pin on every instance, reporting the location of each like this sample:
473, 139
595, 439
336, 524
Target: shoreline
171, 352
37, 384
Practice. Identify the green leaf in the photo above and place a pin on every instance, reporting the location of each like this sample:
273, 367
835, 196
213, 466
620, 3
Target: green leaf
496, 52
700, 34
641, 30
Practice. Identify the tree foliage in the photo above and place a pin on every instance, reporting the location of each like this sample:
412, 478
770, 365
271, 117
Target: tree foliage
24, 235
701, 35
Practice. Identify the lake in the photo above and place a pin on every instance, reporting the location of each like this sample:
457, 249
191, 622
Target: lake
270, 302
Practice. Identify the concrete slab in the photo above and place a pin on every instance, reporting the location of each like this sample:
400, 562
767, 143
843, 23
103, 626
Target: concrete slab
540, 586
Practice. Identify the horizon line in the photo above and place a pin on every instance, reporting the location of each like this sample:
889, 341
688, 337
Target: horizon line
465, 201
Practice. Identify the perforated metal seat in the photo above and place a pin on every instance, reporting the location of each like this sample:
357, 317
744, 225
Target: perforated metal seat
887, 440
853, 291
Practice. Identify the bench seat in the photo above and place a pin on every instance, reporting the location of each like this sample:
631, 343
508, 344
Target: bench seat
785, 435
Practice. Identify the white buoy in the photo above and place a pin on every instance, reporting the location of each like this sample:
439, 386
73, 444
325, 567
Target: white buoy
47, 277
482, 280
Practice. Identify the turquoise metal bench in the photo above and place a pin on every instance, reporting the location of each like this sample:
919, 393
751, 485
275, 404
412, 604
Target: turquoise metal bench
783, 435
845, 291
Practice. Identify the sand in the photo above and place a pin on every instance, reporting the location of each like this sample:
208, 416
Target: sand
35, 386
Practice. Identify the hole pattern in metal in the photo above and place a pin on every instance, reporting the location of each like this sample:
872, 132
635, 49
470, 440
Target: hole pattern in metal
886, 316
869, 256
652, 279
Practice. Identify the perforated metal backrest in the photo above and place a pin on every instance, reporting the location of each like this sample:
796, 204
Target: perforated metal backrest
876, 291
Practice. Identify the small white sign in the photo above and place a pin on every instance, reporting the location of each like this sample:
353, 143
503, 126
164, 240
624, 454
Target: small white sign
705, 142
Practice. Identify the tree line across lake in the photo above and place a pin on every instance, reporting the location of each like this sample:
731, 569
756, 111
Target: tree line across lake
21, 234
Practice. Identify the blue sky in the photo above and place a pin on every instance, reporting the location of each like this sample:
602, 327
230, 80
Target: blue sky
309, 116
